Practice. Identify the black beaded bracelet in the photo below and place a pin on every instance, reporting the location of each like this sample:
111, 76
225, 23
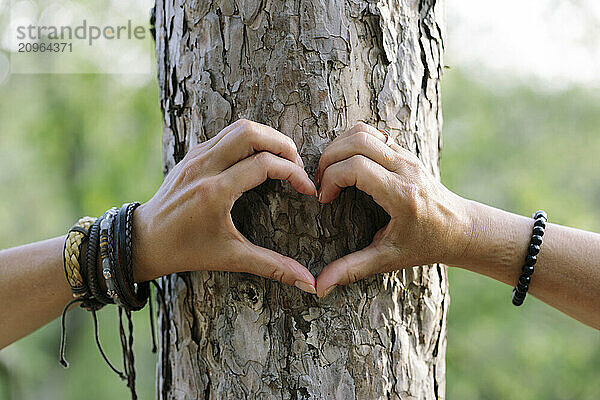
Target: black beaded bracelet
539, 227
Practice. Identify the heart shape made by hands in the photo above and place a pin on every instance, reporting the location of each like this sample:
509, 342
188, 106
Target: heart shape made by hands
276, 217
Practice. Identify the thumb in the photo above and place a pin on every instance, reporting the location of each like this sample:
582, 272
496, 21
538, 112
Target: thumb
349, 269
270, 264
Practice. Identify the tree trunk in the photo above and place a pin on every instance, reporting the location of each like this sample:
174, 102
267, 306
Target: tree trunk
311, 69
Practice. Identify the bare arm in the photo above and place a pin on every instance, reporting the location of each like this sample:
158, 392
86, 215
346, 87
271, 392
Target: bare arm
431, 224
567, 272
186, 226
33, 289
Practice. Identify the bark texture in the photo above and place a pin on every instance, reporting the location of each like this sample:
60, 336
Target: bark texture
312, 69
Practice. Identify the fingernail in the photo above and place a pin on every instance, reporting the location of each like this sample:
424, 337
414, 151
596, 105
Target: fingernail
307, 287
320, 196
328, 290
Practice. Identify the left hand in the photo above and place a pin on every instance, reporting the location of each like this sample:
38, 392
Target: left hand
428, 222
187, 224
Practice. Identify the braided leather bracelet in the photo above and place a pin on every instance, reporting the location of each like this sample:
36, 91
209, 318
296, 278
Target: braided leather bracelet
74, 242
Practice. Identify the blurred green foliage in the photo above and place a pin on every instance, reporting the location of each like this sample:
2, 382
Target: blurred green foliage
78, 144
520, 149
73, 145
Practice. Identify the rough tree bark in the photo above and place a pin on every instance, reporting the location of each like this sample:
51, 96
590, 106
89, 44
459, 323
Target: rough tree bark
310, 68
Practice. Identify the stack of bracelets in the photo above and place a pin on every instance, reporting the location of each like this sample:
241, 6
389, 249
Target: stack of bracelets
99, 249
539, 227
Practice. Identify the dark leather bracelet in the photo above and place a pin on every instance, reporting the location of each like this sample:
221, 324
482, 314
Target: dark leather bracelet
126, 220
106, 250
98, 294
131, 296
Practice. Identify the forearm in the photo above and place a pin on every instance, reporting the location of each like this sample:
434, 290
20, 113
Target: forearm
567, 272
33, 288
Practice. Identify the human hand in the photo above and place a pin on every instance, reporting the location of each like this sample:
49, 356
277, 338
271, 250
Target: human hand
187, 225
428, 222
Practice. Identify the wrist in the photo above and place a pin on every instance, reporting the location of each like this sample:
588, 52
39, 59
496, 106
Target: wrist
493, 242
456, 223
143, 268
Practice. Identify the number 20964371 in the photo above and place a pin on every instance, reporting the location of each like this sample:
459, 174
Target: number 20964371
45, 47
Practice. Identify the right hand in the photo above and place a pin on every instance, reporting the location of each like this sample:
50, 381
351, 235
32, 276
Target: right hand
428, 223
187, 225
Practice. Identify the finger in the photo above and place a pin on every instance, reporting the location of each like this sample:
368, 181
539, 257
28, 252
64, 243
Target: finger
254, 170
349, 269
359, 143
405, 159
208, 144
397, 148
215, 139
358, 171
403, 153
269, 264
248, 138
361, 127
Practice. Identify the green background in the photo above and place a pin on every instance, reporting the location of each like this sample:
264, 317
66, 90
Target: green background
76, 145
